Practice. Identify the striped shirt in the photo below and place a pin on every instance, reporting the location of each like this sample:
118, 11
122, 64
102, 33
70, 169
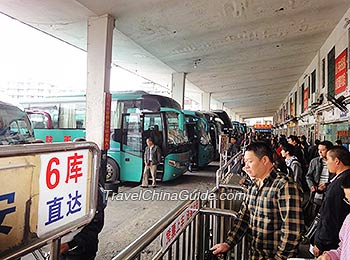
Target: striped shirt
272, 219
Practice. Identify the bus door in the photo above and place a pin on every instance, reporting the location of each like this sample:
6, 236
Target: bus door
153, 127
131, 147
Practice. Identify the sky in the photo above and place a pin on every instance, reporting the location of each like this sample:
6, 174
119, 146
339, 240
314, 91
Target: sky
27, 54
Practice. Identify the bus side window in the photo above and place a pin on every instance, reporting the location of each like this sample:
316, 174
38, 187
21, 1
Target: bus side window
117, 135
39, 125
79, 124
14, 129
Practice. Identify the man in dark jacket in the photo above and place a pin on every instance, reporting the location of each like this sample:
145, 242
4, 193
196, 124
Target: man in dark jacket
152, 158
313, 150
334, 209
318, 176
293, 140
84, 245
317, 179
271, 213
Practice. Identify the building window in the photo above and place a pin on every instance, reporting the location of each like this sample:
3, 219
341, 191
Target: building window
313, 81
295, 102
323, 83
331, 72
302, 98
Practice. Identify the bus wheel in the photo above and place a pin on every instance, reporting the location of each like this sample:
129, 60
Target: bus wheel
112, 174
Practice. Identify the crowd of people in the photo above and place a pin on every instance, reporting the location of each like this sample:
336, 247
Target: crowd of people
292, 182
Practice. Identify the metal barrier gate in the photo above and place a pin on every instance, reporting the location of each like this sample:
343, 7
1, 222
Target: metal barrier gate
209, 225
48, 190
209, 222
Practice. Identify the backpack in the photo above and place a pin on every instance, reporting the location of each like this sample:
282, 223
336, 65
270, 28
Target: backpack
310, 210
290, 170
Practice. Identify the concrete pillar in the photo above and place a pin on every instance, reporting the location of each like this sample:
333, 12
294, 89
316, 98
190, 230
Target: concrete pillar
99, 58
178, 87
98, 98
206, 101
233, 116
214, 104
226, 109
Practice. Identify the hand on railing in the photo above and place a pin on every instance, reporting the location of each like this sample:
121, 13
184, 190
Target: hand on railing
220, 250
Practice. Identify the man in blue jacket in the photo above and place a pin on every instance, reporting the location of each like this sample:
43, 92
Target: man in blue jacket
334, 209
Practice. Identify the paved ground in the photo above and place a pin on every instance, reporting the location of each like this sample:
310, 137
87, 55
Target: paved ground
127, 220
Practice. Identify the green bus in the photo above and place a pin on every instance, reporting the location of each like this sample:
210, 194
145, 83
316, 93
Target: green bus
135, 116
199, 136
216, 126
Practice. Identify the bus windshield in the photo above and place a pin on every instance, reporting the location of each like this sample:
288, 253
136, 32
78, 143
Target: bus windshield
205, 137
175, 134
15, 127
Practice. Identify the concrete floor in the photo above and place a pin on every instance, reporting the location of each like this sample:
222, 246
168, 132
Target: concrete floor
127, 220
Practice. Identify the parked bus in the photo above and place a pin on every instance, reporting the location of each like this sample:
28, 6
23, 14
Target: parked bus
239, 129
227, 124
135, 116
215, 130
199, 136
15, 126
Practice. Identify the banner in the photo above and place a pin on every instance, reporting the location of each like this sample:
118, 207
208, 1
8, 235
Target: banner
341, 72
306, 99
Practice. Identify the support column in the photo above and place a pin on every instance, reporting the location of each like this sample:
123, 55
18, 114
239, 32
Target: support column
99, 58
206, 101
233, 116
178, 87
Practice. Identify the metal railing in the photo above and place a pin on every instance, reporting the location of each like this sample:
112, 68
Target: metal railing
232, 166
27, 160
209, 226
226, 171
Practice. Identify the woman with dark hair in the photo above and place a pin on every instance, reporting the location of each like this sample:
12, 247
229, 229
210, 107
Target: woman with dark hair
338, 143
293, 164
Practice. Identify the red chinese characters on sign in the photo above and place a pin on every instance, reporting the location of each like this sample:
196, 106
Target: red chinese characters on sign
341, 72
179, 224
52, 174
67, 138
292, 109
62, 189
306, 99
74, 170
107, 130
48, 139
